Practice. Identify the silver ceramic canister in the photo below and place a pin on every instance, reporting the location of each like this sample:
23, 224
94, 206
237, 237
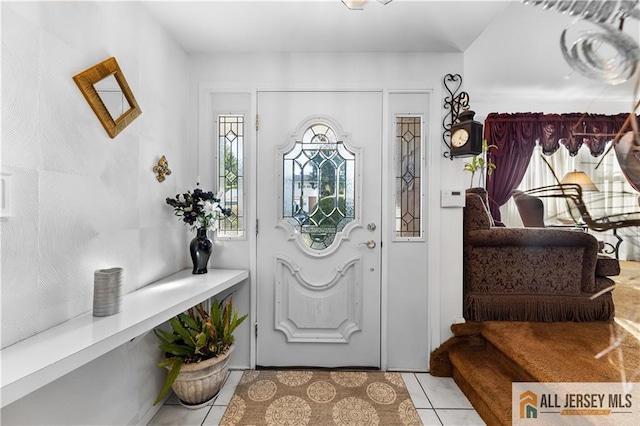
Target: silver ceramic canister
107, 291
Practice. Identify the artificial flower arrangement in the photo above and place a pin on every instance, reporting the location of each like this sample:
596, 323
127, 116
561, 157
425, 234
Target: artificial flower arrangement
199, 209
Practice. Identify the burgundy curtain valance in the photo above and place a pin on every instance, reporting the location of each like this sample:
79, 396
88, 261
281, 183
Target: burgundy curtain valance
516, 136
550, 130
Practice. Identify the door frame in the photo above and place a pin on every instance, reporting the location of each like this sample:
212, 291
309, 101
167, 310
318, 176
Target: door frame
433, 167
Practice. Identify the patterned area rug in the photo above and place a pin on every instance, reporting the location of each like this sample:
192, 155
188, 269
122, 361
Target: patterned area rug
298, 398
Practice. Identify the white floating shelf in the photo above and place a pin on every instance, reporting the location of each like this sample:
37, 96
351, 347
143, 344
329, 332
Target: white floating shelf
38, 360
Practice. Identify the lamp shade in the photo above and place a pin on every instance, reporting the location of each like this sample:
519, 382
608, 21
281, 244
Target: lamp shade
580, 178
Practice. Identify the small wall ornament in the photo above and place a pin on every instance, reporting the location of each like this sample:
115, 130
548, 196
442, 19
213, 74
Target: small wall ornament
162, 169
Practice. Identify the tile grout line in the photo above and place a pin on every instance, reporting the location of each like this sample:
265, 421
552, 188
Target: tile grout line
428, 399
213, 403
206, 415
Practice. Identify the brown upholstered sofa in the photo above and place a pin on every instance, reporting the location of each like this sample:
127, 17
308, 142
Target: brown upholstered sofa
532, 274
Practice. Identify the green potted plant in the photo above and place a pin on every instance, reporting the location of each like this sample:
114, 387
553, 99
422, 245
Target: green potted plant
480, 163
198, 350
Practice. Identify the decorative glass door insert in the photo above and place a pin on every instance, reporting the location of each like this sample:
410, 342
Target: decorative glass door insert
319, 186
231, 173
408, 170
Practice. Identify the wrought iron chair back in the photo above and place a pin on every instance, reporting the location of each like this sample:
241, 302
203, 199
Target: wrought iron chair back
577, 209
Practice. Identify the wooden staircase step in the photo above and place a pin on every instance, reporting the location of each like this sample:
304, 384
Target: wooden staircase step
541, 349
485, 376
533, 352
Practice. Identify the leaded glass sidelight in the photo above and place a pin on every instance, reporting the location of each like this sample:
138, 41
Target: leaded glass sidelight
408, 192
231, 173
319, 186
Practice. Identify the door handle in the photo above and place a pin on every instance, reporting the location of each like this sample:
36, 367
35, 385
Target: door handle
370, 244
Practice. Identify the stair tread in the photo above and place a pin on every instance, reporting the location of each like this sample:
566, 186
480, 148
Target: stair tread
536, 352
475, 366
541, 349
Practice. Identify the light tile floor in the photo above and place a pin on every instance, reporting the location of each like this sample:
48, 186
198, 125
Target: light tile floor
438, 400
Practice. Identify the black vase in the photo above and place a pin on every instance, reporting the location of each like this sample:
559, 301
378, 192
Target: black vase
201, 248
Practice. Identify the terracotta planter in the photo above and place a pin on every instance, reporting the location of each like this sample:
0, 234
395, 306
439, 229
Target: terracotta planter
198, 383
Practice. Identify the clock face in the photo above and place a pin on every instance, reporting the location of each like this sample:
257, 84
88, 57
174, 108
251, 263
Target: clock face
459, 138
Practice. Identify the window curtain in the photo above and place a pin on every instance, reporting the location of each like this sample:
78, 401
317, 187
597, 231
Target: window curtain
574, 130
516, 136
615, 194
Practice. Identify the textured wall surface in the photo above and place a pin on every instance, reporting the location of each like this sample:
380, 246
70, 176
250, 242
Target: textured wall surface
80, 200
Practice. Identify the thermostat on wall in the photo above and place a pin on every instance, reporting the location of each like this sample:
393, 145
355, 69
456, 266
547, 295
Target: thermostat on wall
452, 198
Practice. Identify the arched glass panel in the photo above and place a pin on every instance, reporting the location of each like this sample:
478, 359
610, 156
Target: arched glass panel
319, 186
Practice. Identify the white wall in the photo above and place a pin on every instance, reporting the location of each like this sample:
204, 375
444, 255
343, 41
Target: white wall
516, 65
442, 280
82, 201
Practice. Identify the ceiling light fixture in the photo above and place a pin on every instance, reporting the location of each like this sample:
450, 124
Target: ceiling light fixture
359, 4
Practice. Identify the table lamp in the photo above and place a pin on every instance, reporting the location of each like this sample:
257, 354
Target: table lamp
580, 178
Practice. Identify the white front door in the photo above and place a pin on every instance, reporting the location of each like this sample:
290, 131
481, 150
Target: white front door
319, 209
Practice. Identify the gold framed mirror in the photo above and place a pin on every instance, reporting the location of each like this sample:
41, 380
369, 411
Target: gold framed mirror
110, 97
